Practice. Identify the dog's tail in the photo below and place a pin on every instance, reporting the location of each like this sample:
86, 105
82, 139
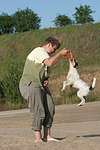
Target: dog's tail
93, 84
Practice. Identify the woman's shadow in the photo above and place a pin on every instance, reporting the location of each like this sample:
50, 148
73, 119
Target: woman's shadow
93, 135
60, 139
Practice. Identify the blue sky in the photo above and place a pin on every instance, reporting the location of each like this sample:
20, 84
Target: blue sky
48, 9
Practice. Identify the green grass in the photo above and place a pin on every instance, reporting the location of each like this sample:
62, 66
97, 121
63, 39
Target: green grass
83, 41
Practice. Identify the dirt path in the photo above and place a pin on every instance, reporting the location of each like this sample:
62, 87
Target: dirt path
77, 128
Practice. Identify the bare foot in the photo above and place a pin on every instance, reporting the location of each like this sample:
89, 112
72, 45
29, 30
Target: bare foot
39, 140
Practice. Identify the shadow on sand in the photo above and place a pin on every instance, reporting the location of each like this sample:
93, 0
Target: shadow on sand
93, 135
60, 139
89, 136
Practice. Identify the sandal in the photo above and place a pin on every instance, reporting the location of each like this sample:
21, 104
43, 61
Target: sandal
52, 139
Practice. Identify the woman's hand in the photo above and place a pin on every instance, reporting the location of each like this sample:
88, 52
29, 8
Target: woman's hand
64, 51
45, 83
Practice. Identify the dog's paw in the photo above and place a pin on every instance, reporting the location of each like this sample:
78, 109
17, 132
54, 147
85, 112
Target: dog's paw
82, 103
62, 90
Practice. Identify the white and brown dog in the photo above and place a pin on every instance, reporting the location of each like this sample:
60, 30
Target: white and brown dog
74, 80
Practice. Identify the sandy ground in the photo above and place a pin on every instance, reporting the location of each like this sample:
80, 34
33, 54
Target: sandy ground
77, 128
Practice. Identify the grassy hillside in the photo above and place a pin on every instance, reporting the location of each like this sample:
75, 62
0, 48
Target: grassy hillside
83, 41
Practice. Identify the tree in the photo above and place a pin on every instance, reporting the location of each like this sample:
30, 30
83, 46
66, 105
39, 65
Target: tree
82, 15
25, 20
6, 23
62, 20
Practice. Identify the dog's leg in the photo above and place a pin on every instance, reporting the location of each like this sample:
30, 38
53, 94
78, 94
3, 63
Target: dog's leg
83, 101
65, 83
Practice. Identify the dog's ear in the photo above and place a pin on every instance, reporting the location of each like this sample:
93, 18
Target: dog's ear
75, 64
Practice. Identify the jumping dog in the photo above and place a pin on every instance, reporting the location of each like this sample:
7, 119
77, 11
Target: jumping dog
74, 80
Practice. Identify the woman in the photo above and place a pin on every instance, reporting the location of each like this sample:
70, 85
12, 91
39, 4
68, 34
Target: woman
34, 86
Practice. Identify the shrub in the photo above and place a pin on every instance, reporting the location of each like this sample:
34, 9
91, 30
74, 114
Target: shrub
10, 85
